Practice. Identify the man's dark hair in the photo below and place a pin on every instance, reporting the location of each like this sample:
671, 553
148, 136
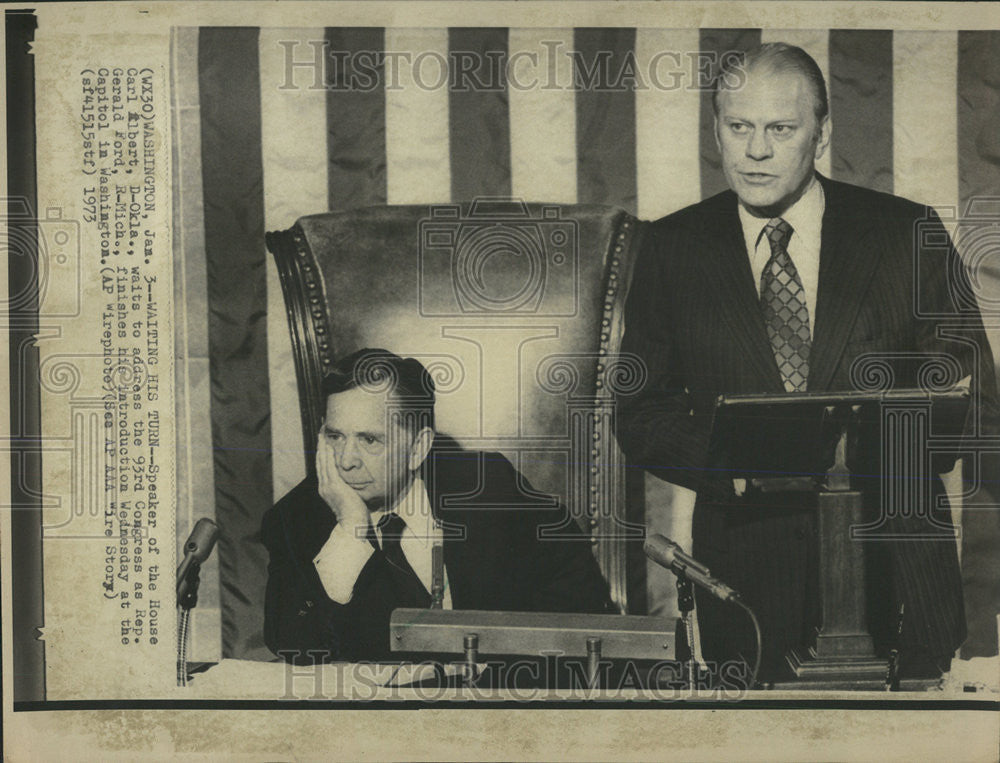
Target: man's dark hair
776, 57
376, 370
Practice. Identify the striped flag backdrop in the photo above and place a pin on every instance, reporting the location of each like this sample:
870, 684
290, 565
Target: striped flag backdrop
263, 136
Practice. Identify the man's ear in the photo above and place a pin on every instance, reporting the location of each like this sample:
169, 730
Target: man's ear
420, 448
715, 133
823, 141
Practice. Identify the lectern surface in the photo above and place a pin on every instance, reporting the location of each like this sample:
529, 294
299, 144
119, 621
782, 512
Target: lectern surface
796, 434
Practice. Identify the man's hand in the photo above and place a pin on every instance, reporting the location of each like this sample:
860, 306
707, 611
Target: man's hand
347, 505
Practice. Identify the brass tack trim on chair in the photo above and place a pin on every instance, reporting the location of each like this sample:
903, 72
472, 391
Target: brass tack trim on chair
301, 282
314, 296
611, 558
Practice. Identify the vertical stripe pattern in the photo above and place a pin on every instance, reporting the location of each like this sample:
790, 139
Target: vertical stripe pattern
667, 118
605, 117
861, 107
978, 115
542, 116
232, 182
479, 117
925, 116
355, 117
194, 464
294, 129
418, 160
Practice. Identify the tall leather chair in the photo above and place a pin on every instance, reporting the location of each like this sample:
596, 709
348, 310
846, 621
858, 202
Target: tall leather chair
516, 311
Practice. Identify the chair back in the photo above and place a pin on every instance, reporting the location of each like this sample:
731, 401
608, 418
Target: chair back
515, 310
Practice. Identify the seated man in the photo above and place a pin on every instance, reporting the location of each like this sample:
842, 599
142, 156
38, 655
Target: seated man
354, 542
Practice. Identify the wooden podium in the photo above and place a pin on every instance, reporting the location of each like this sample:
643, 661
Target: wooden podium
817, 441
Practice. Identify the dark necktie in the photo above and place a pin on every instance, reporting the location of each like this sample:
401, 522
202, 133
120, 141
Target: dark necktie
783, 301
410, 591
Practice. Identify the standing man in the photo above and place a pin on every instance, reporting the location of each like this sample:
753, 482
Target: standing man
355, 541
778, 285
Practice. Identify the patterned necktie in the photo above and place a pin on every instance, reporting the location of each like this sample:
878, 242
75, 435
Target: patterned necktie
783, 301
410, 590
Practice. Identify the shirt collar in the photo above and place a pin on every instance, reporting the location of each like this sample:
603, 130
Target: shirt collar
805, 216
414, 508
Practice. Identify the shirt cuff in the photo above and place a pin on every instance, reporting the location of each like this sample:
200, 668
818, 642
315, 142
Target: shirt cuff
340, 561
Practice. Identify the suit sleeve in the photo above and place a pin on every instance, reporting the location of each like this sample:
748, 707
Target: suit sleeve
949, 292
569, 579
565, 576
663, 428
946, 291
299, 619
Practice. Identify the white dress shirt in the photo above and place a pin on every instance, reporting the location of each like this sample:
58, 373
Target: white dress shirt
343, 556
806, 218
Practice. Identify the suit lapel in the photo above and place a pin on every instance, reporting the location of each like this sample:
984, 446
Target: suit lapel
848, 256
727, 264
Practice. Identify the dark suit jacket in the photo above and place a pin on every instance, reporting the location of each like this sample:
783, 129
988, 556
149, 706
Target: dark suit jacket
693, 316
499, 564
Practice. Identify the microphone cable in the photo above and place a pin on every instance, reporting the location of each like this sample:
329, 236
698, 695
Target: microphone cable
756, 627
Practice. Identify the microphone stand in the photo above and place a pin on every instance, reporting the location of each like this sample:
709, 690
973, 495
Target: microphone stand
186, 601
684, 632
437, 576
688, 570
196, 550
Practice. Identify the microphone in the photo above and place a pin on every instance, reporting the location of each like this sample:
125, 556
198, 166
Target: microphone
437, 575
670, 555
197, 549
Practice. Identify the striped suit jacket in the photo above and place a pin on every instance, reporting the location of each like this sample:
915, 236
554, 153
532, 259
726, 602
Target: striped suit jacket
693, 316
